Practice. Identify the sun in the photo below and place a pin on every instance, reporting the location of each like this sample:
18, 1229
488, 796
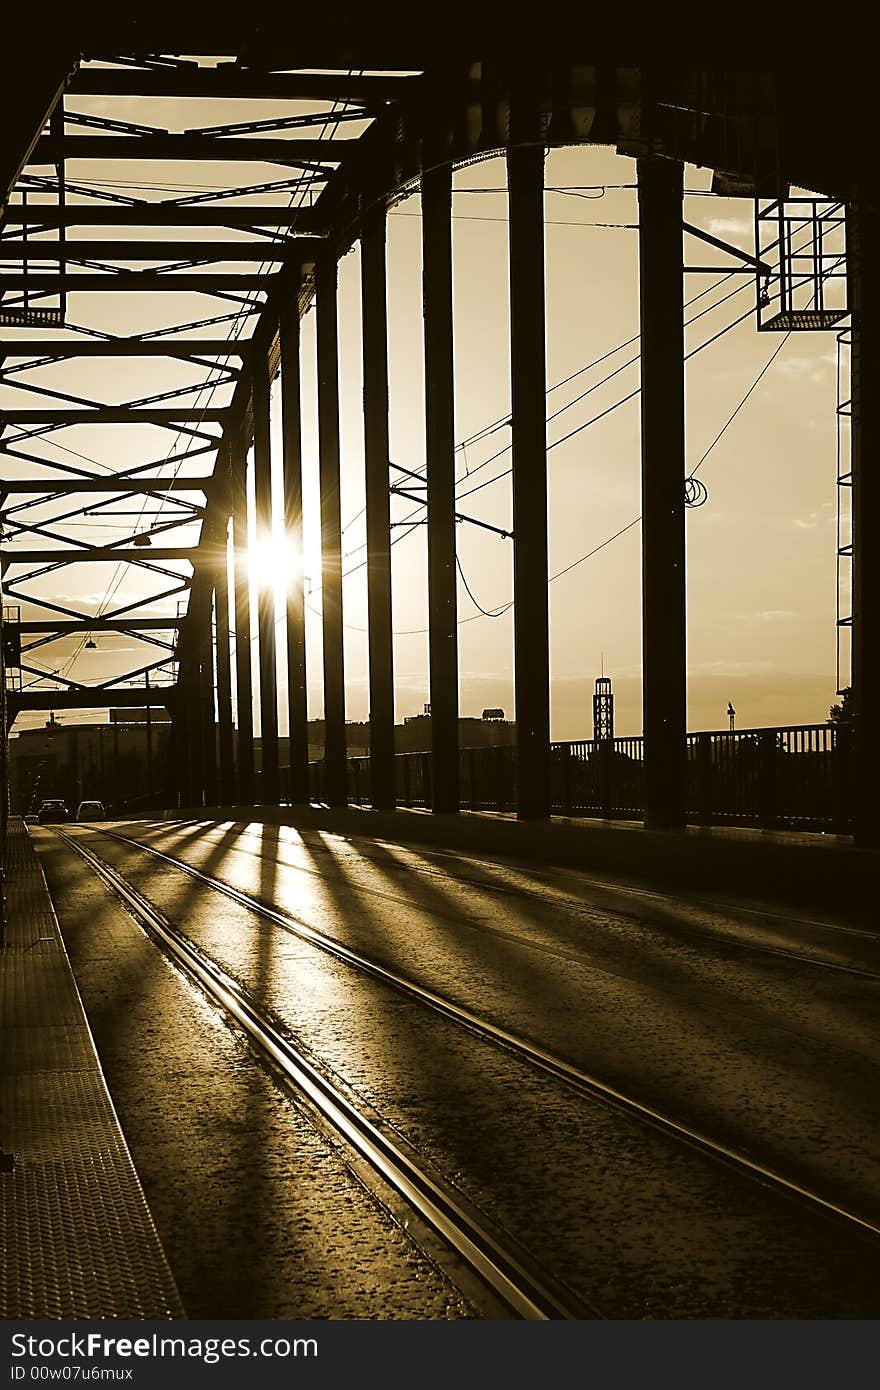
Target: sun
274, 562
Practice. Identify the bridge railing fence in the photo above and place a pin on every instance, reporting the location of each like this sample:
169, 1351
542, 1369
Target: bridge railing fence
788, 777
487, 778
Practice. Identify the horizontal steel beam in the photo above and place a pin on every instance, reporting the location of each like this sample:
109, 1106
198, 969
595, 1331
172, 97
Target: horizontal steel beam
218, 250
227, 80
112, 415
150, 554
124, 347
160, 215
21, 700
261, 150
27, 486
63, 626
208, 282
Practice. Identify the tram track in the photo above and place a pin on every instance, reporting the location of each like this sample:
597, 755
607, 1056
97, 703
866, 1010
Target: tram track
721, 942
507, 1270
574, 1079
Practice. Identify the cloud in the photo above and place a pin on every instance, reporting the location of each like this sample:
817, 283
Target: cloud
824, 515
816, 369
730, 226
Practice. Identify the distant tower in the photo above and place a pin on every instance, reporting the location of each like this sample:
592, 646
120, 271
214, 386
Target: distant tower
603, 710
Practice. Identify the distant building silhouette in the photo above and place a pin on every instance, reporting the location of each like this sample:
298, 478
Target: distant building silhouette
603, 710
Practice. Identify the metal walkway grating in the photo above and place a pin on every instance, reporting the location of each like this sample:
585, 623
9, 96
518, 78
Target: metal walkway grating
77, 1237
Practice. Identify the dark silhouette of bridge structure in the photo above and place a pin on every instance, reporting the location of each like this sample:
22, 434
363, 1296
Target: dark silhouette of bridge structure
384, 113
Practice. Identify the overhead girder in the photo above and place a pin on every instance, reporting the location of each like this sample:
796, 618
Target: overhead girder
228, 81
17, 250
125, 347
110, 415
121, 484
139, 281
160, 215
92, 697
65, 626
50, 149
154, 555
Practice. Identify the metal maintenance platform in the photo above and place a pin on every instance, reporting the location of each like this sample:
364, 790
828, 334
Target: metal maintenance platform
76, 1233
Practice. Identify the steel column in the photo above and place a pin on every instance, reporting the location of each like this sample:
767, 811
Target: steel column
525, 176
374, 315
270, 782
335, 767
440, 460
207, 726
664, 597
291, 420
862, 230
226, 786
177, 752
190, 681
243, 676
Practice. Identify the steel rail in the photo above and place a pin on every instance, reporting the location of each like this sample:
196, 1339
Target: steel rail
583, 1082
521, 1289
632, 890
698, 933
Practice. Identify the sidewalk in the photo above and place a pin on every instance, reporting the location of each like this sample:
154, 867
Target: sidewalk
76, 1235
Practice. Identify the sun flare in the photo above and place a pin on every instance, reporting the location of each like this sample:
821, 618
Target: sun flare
274, 562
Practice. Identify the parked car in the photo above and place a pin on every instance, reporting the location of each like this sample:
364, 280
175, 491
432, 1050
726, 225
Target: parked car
52, 811
91, 810
31, 818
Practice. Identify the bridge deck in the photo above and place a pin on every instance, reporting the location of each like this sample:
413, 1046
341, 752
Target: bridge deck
822, 872
652, 1100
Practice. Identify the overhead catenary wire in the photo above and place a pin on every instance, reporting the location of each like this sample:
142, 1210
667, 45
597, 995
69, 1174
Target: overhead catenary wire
460, 496
504, 608
636, 520
503, 421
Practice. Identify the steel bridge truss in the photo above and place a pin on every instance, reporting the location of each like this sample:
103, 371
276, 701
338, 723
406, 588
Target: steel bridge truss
245, 221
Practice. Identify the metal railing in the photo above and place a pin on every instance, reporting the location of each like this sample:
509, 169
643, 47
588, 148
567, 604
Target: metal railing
789, 777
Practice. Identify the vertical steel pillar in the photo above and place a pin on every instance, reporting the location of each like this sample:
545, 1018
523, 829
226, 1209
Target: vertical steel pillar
664, 595
261, 387
862, 228
291, 421
335, 753
243, 678
207, 718
190, 686
374, 316
531, 634
176, 753
149, 737
440, 459
226, 781
4, 780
